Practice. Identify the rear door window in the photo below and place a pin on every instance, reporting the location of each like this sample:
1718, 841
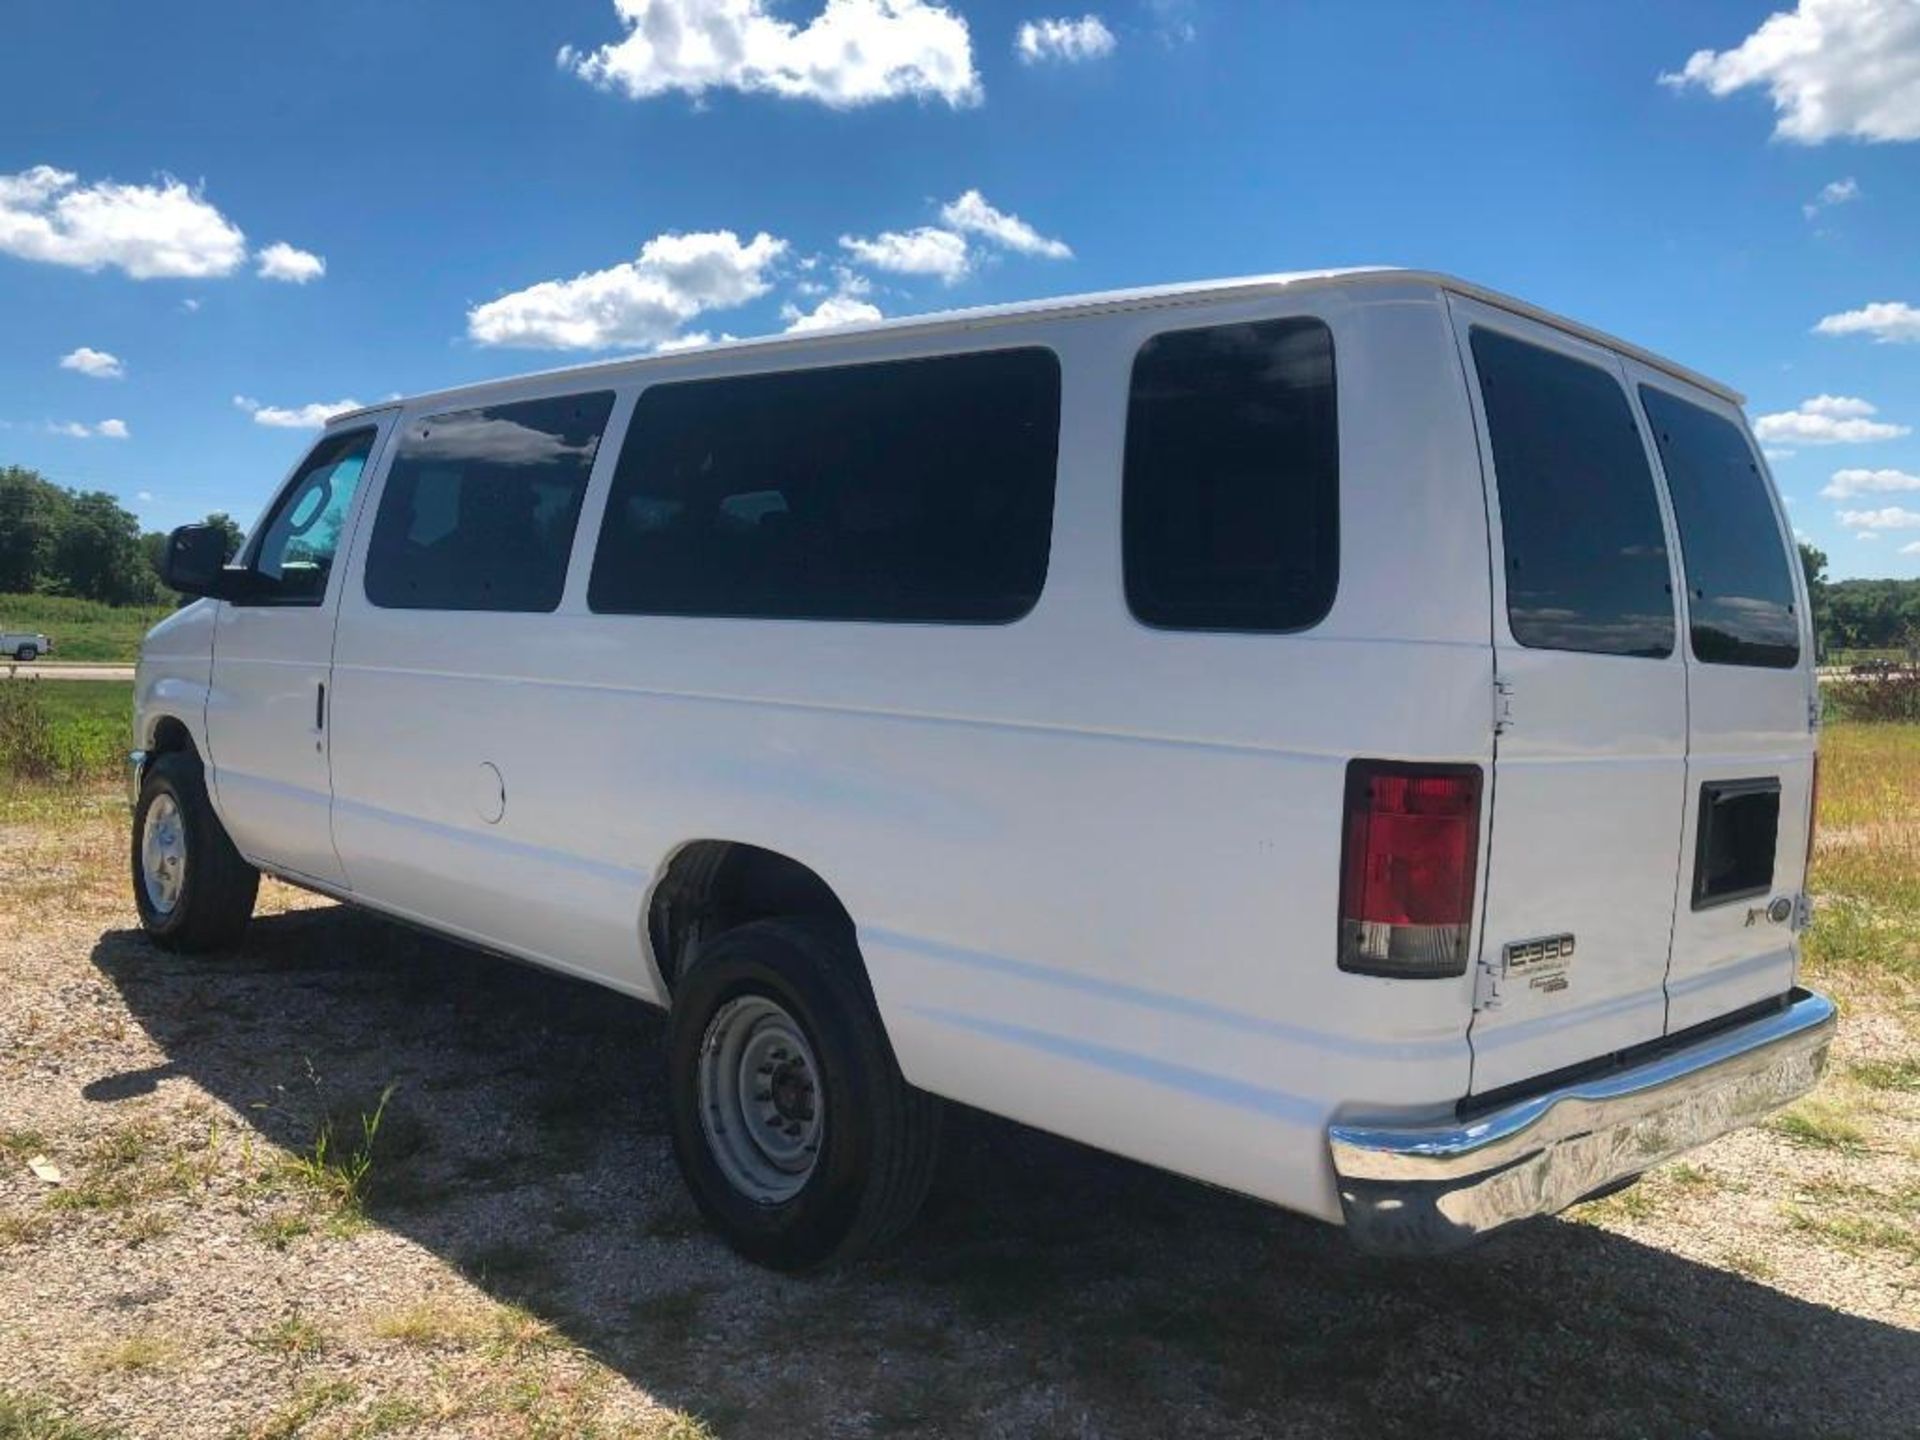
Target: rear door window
1585, 551
1740, 591
480, 506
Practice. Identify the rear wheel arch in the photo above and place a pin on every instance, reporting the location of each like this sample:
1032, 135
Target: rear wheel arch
711, 886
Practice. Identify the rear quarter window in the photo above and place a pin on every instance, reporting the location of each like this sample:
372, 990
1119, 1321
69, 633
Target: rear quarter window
1584, 548
1740, 601
1231, 506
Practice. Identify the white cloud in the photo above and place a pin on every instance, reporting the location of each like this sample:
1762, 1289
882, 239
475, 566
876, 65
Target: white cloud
852, 52
1776, 453
151, 232
1834, 68
96, 363
296, 417
144, 495
841, 309
639, 303
1893, 517
971, 214
1887, 321
1866, 535
928, 250
1834, 192
281, 261
1913, 549
1837, 407
1828, 420
1846, 484
1069, 41
189, 305
74, 430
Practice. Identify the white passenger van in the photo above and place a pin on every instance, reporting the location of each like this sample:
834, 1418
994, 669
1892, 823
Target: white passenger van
1343, 737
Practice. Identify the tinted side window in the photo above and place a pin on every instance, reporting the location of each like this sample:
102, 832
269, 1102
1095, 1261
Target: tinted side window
1741, 602
917, 490
294, 554
480, 506
1230, 515
1586, 555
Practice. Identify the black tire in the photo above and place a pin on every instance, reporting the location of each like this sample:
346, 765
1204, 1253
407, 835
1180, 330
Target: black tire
26, 652
878, 1134
217, 890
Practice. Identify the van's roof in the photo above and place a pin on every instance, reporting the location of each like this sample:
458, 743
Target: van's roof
985, 316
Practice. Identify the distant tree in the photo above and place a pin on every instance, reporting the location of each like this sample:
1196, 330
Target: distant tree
33, 511
99, 555
225, 523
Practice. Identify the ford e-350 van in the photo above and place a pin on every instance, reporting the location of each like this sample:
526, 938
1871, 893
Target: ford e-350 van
1345, 737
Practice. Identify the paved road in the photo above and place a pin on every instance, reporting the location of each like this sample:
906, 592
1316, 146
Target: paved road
54, 670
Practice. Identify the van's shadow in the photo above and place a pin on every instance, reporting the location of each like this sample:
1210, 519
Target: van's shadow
1048, 1289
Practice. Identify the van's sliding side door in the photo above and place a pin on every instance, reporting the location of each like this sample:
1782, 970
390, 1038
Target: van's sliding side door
1590, 709
1751, 692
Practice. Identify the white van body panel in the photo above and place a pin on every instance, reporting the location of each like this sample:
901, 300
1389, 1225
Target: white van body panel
1094, 866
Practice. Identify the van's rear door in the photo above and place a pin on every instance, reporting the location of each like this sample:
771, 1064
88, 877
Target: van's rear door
1590, 751
1751, 693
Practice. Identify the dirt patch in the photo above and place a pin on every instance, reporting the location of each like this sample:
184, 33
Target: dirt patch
507, 1250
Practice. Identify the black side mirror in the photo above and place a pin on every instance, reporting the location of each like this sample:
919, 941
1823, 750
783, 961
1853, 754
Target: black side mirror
195, 561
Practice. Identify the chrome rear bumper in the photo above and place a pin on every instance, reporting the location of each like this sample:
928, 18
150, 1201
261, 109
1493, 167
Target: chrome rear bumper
1427, 1189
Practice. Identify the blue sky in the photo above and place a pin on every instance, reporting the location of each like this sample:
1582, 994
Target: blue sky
292, 206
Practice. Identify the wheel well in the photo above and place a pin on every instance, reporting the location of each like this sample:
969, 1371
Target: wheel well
169, 735
711, 886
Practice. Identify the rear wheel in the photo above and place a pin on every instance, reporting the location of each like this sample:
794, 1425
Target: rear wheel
27, 652
192, 889
798, 1136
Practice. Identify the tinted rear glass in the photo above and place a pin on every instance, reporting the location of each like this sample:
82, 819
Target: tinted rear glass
1232, 490
480, 506
916, 490
1740, 592
1585, 552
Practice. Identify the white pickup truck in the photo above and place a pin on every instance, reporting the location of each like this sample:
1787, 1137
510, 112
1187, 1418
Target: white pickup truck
25, 644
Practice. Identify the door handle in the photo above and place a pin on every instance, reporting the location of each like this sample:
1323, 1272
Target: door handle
320, 706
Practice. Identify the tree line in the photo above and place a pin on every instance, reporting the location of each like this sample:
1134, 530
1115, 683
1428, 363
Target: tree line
1860, 614
83, 543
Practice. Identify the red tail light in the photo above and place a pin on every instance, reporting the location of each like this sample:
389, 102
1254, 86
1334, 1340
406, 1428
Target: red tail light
1407, 868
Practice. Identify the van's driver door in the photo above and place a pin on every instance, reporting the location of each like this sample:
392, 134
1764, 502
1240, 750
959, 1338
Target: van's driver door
272, 661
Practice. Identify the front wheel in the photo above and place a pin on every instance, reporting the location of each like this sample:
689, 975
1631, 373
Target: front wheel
798, 1136
27, 652
193, 890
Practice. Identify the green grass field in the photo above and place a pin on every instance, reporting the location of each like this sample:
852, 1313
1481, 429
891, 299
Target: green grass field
54, 730
83, 629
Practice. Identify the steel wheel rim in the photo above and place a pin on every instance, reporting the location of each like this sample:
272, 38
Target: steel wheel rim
762, 1105
163, 854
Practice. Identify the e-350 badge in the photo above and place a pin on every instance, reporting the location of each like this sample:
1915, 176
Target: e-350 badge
1544, 964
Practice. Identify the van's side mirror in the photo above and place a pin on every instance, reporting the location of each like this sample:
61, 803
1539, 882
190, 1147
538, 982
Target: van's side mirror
195, 561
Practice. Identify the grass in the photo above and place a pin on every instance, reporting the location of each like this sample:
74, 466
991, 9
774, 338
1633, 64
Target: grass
63, 730
140, 1351
457, 1325
338, 1168
26, 1417
83, 630
1866, 871
1819, 1125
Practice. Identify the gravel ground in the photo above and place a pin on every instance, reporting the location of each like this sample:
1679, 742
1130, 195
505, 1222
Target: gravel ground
519, 1258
